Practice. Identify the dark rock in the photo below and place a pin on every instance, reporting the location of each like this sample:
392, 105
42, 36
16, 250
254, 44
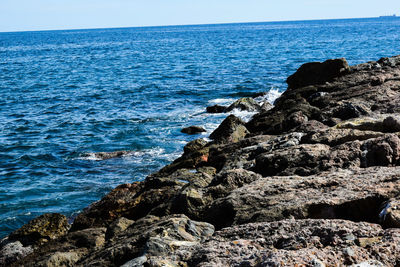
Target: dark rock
118, 226
317, 73
294, 120
382, 151
193, 130
349, 110
245, 104
231, 130
391, 124
41, 229
132, 201
106, 155
194, 146
93, 238
216, 109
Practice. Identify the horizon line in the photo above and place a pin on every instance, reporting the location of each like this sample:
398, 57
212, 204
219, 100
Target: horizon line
182, 25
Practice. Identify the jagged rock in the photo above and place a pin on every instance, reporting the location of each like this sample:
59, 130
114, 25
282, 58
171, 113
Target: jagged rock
245, 104
348, 110
266, 106
318, 73
295, 119
390, 214
93, 238
193, 130
295, 243
231, 130
150, 236
216, 109
194, 146
12, 251
334, 136
118, 226
227, 181
61, 259
308, 159
356, 195
41, 229
382, 151
132, 201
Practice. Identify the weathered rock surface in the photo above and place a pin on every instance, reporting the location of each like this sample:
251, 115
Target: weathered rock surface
231, 130
297, 243
312, 181
244, 104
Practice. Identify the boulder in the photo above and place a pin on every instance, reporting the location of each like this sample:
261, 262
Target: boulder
317, 73
231, 130
41, 229
150, 237
193, 130
216, 109
194, 146
245, 104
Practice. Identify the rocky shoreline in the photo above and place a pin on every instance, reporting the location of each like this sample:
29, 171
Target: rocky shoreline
314, 181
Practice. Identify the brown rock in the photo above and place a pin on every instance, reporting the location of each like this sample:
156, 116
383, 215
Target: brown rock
295, 243
41, 229
231, 130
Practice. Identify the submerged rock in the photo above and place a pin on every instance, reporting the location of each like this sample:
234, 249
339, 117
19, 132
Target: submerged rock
106, 155
193, 130
216, 109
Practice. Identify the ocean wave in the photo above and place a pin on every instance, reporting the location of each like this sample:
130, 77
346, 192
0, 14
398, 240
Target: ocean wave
222, 101
271, 96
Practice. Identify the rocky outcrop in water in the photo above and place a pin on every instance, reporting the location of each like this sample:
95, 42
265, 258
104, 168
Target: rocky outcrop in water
314, 181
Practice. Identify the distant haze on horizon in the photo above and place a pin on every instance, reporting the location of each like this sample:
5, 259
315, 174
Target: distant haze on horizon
30, 15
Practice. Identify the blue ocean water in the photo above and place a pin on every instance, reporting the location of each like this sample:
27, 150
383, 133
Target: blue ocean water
66, 93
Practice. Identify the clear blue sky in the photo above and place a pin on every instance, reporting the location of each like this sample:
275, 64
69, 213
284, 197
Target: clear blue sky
18, 15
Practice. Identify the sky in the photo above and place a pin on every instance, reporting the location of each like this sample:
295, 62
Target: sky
28, 15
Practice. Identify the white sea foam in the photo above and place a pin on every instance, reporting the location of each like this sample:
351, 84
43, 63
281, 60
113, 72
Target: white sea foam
244, 115
270, 96
154, 152
222, 101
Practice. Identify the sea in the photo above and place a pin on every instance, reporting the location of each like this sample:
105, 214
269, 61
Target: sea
66, 94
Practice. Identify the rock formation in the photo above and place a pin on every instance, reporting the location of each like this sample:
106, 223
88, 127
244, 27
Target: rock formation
314, 181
